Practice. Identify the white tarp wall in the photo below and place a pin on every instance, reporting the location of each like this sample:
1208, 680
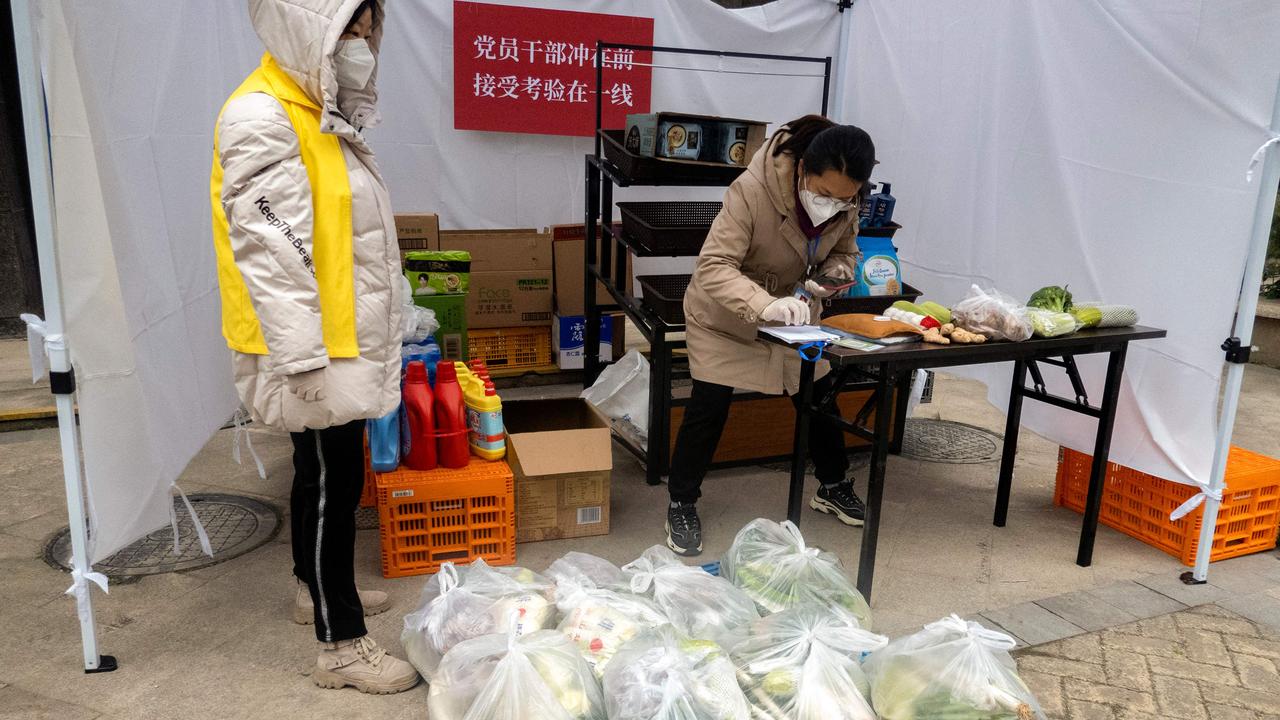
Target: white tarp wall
1100, 143
134, 88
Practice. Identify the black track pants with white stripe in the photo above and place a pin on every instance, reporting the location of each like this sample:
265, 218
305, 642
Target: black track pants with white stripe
328, 476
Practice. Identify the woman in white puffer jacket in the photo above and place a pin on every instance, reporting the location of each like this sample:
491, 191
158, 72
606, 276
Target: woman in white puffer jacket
309, 272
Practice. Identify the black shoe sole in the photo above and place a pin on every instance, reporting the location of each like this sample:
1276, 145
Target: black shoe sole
684, 552
824, 506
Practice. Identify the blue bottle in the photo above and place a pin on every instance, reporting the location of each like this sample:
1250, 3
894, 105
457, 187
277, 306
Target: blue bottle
866, 208
384, 442
882, 207
427, 351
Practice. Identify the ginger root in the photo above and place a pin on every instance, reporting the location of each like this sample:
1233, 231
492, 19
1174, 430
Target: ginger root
935, 336
965, 337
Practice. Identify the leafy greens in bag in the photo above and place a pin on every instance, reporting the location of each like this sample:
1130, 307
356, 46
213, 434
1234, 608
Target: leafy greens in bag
700, 605
951, 669
662, 675
803, 664
771, 562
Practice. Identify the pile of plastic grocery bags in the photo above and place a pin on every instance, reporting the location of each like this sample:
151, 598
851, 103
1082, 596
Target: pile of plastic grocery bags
782, 635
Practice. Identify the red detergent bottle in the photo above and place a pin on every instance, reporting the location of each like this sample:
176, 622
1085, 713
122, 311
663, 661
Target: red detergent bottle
419, 408
451, 418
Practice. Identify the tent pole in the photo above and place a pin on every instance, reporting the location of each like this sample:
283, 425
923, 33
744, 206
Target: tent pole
61, 376
845, 8
1238, 347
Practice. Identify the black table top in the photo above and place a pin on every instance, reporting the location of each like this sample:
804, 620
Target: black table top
928, 355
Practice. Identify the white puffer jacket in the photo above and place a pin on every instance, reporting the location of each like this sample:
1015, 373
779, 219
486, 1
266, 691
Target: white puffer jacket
260, 156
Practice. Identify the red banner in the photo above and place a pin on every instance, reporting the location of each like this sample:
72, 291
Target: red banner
526, 70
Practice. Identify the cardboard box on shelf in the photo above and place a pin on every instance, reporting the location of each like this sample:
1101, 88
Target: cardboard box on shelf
561, 454
567, 339
418, 231
451, 313
569, 246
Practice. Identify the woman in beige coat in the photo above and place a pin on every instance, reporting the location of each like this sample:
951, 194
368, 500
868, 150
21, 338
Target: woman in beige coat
309, 270
787, 221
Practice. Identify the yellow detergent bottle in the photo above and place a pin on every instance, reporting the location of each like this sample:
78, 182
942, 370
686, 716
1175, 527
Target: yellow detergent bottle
484, 415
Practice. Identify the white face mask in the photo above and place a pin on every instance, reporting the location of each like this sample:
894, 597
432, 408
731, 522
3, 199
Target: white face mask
820, 207
354, 62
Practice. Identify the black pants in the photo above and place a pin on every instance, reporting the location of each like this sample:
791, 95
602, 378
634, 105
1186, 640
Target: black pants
328, 477
704, 420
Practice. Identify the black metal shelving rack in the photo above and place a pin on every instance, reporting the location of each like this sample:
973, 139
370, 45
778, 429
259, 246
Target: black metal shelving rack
607, 253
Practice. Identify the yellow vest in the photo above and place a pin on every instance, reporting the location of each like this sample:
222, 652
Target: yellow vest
331, 226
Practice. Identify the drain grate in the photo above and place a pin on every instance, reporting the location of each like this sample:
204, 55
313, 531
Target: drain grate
950, 442
235, 525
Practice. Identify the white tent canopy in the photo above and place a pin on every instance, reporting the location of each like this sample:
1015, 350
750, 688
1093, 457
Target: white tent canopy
1099, 144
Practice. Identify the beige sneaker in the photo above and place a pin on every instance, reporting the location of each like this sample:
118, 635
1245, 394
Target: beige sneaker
361, 664
304, 610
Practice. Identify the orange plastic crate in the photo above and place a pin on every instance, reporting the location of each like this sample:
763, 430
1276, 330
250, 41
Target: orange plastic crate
427, 518
1139, 505
518, 347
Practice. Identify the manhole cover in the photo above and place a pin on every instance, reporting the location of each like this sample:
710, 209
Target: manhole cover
950, 442
235, 525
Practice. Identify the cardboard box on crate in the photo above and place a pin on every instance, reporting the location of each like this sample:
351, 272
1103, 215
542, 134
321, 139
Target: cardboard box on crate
426, 518
418, 231
562, 456
511, 276
569, 247
1138, 504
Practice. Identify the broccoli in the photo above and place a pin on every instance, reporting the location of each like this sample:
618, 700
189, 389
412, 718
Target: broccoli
1054, 298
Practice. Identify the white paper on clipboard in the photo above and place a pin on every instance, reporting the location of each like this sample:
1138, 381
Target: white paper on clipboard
801, 333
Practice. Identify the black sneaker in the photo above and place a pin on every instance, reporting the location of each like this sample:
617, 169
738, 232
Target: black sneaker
841, 501
684, 529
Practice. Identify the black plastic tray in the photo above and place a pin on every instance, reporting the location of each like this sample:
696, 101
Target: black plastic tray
880, 231
643, 170
674, 228
664, 294
874, 304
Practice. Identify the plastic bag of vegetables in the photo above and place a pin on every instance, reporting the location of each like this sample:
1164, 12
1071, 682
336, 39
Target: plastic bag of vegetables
992, 313
700, 605
462, 603
587, 570
539, 676
803, 664
771, 562
951, 669
662, 675
599, 621
1049, 323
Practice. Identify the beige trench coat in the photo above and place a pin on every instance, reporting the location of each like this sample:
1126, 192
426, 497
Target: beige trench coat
754, 254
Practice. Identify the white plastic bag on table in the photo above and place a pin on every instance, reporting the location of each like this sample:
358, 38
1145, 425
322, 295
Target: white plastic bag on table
539, 676
804, 664
700, 605
662, 675
622, 391
994, 314
600, 621
951, 668
584, 569
458, 604
772, 564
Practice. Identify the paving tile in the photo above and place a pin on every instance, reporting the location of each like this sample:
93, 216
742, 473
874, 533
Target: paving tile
17, 703
1107, 695
1206, 647
1137, 600
1170, 585
1083, 710
1060, 667
1047, 690
1256, 700
1173, 667
1246, 575
1127, 670
1085, 648
1233, 625
1033, 624
1262, 608
1179, 699
1262, 647
1227, 712
1085, 610
1116, 640
1258, 673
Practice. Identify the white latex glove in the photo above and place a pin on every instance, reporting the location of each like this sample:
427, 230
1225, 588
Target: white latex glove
788, 311
839, 270
813, 288
308, 386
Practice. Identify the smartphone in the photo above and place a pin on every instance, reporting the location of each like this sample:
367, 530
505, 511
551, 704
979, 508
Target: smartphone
835, 284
